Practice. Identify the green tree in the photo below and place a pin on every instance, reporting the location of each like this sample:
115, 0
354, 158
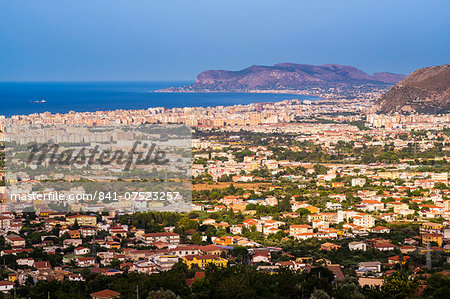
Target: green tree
75, 224
320, 169
161, 294
399, 285
197, 238
438, 286
319, 294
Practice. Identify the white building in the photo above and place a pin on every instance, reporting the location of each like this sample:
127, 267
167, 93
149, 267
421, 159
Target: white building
357, 246
6, 286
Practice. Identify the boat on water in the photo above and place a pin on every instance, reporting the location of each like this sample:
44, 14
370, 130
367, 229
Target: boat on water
38, 102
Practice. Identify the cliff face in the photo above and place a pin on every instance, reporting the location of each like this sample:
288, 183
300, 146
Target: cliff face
286, 76
426, 90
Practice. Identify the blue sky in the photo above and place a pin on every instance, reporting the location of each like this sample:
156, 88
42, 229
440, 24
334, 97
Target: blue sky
66, 40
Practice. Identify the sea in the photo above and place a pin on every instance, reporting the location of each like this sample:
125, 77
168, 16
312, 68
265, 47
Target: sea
23, 98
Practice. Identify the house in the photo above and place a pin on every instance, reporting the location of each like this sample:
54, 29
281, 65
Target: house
6, 286
15, 241
147, 267
74, 234
358, 182
186, 250
338, 185
165, 262
105, 294
364, 220
82, 220
431, 228
112, 245
5, 223
85, 261
261, 257
410, 241
446, 232
371, 205
296, 229
249, 223
356, 245
407, 249
165, 237
211, 249
292, 265
227, 200
365, 267
329, 246
42, 265
270, 230
208, 221
75, 277
15, 251
380, 230
88, 231
271, 201
305, 236
333, 206
370, 281
203, 260
432, 238
118, 232
136, 255
107, 257
81, 250
15, 227
399, 207
236, 229
224, 241
384, 246
29, 262
392, 260
72, 242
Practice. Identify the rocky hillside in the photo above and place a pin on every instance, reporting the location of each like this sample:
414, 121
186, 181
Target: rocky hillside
286, 76
426, 90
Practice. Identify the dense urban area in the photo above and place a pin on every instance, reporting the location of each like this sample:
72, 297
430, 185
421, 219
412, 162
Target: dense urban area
305, 199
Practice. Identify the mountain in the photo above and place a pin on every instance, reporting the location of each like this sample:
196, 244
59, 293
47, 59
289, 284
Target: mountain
286, 76
425, 90
390, 78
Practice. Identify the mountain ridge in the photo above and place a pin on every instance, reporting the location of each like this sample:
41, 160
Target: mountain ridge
426, 90
283, 76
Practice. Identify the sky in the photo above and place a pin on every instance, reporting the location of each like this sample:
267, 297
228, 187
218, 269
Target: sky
153, 40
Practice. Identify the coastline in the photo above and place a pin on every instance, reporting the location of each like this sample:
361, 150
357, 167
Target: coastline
253, 91
110, 96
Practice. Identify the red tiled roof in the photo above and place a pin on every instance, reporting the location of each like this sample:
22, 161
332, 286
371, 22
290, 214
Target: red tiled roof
105, 294
162, 234
43, 264
210, 247
6, 283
